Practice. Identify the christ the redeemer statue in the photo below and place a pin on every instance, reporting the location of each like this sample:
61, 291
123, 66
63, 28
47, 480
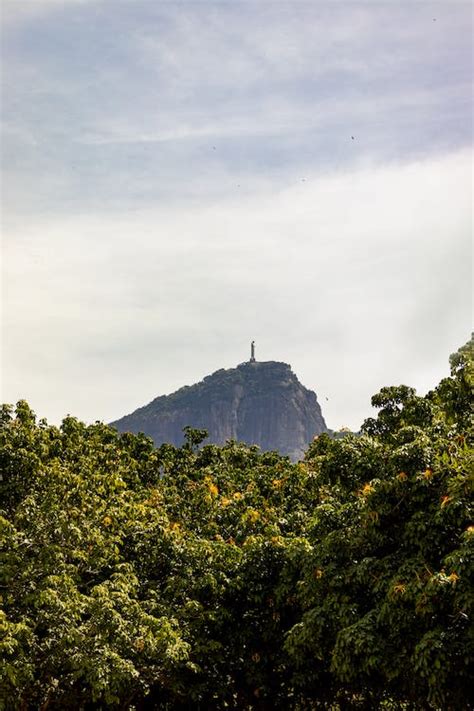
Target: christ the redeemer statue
252, 352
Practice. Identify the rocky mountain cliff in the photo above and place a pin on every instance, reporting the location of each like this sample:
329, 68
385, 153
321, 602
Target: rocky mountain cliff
259, 403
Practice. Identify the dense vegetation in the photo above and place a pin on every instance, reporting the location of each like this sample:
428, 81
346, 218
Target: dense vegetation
207, 577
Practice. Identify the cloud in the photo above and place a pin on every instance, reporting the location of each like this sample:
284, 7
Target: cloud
180, 178
110, 107
358, 280
15, 13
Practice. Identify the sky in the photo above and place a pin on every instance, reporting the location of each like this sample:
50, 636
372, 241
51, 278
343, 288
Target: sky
180, 178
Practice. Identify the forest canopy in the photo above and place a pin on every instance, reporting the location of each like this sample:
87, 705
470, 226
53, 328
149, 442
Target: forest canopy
206, 577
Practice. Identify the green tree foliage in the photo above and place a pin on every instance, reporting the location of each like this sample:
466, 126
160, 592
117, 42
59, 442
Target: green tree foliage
204, 577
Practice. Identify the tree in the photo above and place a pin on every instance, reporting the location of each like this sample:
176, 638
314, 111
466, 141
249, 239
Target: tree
204, 577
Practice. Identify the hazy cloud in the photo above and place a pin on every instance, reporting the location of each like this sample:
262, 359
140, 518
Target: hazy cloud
183, 177
354, 279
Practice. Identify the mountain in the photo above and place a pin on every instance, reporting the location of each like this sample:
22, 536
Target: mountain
259, 403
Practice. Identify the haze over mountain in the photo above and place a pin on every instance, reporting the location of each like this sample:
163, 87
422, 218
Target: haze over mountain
259, 403
178, 175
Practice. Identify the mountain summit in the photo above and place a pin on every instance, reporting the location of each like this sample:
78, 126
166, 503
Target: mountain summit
259, 403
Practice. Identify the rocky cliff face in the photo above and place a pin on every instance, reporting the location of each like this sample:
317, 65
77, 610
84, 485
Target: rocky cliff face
257, 403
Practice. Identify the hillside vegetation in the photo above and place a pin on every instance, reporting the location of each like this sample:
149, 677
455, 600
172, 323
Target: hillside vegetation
218, 577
